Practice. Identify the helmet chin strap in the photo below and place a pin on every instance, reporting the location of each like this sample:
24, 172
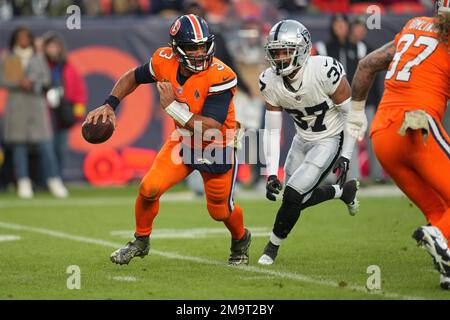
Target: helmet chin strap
297, 79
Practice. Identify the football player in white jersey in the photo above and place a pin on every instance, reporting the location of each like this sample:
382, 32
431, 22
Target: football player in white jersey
315, 92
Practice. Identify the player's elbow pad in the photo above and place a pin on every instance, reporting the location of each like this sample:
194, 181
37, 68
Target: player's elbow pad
272, 134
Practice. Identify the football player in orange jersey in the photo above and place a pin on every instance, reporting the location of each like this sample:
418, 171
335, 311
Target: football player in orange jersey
197, 91
408, 138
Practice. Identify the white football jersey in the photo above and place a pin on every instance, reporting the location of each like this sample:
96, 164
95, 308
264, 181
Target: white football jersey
311, 107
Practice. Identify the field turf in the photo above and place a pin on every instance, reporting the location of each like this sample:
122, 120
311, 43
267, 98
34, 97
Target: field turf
325, 257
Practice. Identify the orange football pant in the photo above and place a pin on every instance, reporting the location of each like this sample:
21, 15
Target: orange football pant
165, 172
422, 171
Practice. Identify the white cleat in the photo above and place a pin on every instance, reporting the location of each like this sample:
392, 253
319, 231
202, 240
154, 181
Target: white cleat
57, 188
265, 260
353, 207
24, 188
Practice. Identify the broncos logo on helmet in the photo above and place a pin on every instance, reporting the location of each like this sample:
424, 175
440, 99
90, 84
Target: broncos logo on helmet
190, 33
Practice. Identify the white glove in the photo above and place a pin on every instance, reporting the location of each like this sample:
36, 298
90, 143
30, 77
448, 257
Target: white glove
356, 124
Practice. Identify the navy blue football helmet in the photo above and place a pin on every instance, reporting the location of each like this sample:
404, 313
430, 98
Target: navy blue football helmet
187, 33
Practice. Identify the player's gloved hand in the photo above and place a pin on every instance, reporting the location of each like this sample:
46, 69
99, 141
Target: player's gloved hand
341, 168
356, 123
273, 187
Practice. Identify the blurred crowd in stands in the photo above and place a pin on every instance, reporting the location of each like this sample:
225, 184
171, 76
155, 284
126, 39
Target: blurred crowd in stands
48, 80
47, 96
217, 10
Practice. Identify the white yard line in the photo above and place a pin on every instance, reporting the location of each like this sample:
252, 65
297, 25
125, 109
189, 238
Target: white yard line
4, 237
174, 255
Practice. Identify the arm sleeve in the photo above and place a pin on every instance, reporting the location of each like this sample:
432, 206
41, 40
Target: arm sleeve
143, 74
272, 135
349, 140
216, 106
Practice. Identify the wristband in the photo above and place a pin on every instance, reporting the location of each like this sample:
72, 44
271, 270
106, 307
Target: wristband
113, 102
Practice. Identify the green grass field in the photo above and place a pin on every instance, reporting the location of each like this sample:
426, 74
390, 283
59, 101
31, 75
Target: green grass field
325, 257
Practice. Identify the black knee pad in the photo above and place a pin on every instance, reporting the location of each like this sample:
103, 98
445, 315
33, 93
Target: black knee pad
292, 196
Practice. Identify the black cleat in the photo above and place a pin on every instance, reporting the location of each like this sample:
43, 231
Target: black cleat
135, 248
239, 250
349, 192
269, 255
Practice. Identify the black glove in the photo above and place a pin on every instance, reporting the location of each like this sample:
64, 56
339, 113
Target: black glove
273, 187
342, 165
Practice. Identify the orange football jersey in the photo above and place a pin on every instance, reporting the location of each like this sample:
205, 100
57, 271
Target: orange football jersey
419, 74
193, 93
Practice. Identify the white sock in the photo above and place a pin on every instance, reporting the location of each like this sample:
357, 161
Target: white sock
338, 191
275, 240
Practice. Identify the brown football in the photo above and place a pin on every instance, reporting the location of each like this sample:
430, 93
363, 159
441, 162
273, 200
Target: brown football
99, 132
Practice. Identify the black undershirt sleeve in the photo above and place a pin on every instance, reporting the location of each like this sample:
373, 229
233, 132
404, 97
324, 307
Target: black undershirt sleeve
142, 74
216, 106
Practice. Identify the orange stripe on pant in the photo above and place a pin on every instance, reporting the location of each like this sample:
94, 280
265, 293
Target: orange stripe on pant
422, 171
166, 171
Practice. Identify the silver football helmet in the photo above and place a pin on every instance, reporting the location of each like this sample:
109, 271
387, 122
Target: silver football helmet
288, 46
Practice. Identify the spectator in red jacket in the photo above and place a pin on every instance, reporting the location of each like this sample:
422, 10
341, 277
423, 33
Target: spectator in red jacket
67, 95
